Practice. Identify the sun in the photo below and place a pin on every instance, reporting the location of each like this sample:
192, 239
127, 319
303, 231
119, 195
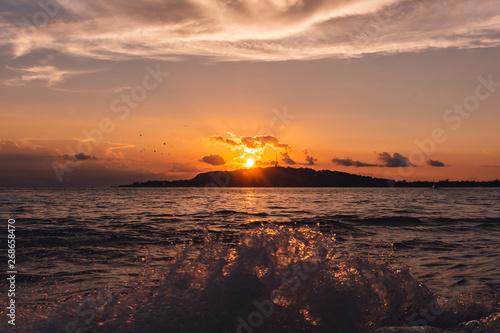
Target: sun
249, 163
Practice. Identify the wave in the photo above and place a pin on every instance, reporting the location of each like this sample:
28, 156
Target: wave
275, 279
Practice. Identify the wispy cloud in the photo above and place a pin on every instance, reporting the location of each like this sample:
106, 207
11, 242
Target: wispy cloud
45, 73
251, 29
11, 147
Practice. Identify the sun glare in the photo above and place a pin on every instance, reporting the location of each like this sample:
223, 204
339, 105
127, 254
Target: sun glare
250, 163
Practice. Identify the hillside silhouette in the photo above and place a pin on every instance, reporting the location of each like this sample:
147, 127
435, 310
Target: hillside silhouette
297, 177
272, 177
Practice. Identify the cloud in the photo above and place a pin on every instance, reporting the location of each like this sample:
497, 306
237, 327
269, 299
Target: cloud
253, 145
249, 29
50, 74
310, 160
253, 142
395, 161
435, 163
79, 157
12, 148
285, 157
226, 141
213, 160
385, 159
349, 162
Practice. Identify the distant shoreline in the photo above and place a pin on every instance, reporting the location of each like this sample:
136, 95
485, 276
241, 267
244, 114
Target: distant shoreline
276, 177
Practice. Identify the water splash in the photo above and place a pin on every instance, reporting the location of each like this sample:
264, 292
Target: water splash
276, 279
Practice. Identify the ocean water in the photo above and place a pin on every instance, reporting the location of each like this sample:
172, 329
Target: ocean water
254, 259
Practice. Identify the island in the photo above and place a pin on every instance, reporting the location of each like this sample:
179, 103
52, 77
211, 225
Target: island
298, 177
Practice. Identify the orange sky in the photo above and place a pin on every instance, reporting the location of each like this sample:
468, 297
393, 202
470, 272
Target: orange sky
105, 94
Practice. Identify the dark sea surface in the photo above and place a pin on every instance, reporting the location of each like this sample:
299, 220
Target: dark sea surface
173, 259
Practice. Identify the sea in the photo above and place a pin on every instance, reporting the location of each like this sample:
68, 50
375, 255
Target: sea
251, 260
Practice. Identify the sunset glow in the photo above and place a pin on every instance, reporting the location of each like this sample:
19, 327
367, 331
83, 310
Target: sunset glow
128, 91
250, 162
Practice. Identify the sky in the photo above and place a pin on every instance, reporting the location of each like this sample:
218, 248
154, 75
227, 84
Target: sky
100, 93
